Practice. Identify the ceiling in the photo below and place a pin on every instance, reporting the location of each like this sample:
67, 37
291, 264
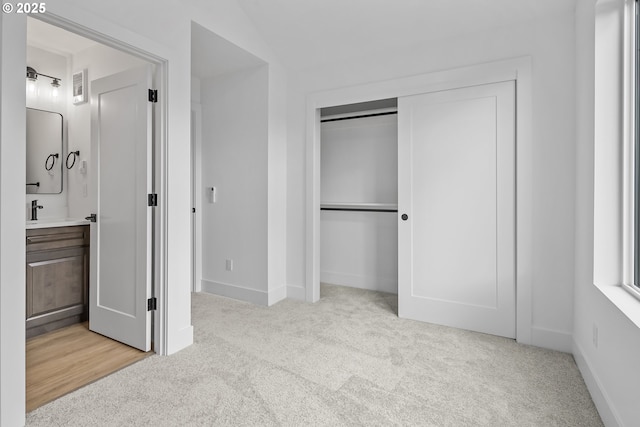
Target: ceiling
55, 39
307, 33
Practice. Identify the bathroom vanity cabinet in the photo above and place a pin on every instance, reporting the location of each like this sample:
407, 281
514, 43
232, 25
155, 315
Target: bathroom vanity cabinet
57, 277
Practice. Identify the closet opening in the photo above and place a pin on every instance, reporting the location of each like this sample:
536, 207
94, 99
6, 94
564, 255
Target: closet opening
359, 197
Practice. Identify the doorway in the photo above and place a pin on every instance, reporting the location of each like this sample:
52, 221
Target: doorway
103, 69
230, 113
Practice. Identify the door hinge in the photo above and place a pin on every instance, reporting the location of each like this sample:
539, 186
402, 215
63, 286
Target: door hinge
152, 304
152, 199
153, 95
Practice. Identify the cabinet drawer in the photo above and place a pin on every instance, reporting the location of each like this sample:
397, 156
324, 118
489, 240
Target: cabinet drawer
42, 239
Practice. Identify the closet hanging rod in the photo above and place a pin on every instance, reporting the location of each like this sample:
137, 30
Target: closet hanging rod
359, 207
358, 210
359, 115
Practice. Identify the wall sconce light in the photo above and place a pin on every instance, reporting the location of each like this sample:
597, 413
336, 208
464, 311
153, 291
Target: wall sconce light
32, 78
56, 85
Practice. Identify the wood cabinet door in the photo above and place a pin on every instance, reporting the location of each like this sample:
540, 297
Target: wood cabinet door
56, 281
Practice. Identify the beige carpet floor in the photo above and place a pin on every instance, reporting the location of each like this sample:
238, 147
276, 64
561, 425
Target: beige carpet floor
347, 360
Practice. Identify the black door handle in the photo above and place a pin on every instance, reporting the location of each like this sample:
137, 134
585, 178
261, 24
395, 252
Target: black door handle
92, 218
404, 217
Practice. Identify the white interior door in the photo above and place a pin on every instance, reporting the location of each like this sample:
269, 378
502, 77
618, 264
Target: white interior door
456, 186
121, 247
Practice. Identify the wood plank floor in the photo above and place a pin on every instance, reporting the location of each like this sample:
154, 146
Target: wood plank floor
64, 360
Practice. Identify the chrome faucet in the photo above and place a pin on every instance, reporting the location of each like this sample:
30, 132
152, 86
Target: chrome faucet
34, 210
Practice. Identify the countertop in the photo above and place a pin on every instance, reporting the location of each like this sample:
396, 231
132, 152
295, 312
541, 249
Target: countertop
56, 222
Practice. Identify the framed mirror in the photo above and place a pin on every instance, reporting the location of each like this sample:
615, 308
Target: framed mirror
44, 152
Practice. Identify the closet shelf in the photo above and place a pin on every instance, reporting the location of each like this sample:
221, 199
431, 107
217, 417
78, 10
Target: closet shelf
360, 207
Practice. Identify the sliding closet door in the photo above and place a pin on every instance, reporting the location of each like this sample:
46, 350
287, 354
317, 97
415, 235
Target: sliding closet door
456, 208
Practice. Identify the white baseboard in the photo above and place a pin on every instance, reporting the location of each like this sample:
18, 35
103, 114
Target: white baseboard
598, 394
372, 283
180, 340
277, 295
296, 292
235, 292
553, 340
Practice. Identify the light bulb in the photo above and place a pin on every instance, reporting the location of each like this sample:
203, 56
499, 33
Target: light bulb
31, 87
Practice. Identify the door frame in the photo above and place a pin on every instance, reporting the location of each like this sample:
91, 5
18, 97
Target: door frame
159, 165
196, 192
518, 70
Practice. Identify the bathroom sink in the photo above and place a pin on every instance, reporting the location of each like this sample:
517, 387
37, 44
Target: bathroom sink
55, 222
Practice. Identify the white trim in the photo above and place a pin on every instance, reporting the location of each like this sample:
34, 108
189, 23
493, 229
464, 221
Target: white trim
628, 126
633, 290
610, 139
244, 294
600, 398
196, 109
518, 69
312, 214
236, 292
624, 301
554, 340
276, 295
180, 339
373, 283
160, 318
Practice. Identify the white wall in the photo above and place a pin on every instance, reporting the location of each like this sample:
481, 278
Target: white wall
550, 43
359, 160
195, 89
100, 61
359, 249
12, 243
54, 205
359, 164
277, 176
162, 28
234, 160
610, 369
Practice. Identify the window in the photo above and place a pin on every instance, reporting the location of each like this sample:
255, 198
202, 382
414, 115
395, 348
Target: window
634, 162
616, 156
630, 154
636, 157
